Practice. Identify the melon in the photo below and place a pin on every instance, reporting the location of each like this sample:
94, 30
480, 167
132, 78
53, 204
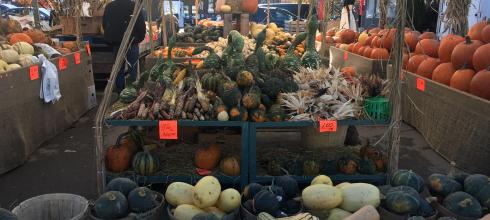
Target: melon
179, 193
141, 200
206, 192
9, 56
321, 196
357, 195
123, 185
463, 204
229, 200
111, 205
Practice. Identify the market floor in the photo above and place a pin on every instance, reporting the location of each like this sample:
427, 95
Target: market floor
66, 163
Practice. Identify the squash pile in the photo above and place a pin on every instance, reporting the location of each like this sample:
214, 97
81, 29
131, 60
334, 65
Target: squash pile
123, 197
176, 52
200, 34
205, 198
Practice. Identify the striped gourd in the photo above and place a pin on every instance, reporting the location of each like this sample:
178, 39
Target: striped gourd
144, 163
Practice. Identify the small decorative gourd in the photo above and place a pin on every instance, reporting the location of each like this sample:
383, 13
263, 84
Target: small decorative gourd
230, 166
208, 157
144, 163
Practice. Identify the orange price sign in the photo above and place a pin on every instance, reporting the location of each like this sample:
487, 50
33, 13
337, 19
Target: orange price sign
34, 72
62, 63
328, 125
168, 129
421, 84
346, 55
77, 57
87, 47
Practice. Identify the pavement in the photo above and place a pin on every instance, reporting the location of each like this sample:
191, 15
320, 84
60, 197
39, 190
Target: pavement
66, 163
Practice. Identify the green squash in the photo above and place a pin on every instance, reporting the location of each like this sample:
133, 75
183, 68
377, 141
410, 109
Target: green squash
205, 216
276, 113
278, 192
271, 61
111, 205
290, 62
212, 81
288, 184
311, 59
245, 79
249, 206
266, 201
329, 167
145, 164
212, 61
425, 209
295, 167
311, 168
460, 177
256, 61
251, 189
408, 178
443, 185
128, 94
233, 54
123, 185
484, 196
367, 166
142, 200
230, 94
474, 183
402, 200
7, 215
463, 204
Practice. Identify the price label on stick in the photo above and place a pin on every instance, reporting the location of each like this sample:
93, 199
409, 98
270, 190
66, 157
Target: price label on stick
34, 72
62, 63
77, 57
87, 47
328, 125
346, 55
168, 129
421, 84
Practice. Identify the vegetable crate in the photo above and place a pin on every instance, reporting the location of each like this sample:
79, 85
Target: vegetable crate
340, 58
236, 181
454, 123
255, 152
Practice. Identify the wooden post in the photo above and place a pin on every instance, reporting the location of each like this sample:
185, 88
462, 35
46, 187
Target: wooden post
268, 11
172, 26
299, 15
35, 5
164, 26
227, 24
326, 18
244, 24
196, 3
150, 21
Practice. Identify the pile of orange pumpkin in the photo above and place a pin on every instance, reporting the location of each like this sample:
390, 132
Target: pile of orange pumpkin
208, 157
460, 62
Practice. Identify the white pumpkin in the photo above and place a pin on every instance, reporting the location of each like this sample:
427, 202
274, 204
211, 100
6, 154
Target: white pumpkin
215, 211
9, 56
223, 116
6, 46
186, 212
338, 214
179, 193
206, 192
13, 66
357, 195
23, 48
3, 66
229, 200
341, 185
322, 179
26, 59
321, 197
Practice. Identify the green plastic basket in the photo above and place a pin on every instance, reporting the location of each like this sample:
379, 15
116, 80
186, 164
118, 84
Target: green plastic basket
377, 108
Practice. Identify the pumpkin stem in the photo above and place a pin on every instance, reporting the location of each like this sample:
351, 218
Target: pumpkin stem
111, 196
142, 193
468, 40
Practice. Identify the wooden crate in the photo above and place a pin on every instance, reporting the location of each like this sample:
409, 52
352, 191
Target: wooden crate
89, 25
340, 58
454, 123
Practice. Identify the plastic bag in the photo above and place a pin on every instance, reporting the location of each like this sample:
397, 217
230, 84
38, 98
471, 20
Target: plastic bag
50, 89
50, 51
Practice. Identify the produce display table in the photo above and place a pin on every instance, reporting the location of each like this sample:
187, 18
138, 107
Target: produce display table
340, 58
27, 121
454, 123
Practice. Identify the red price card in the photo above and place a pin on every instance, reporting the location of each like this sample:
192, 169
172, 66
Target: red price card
421, 84
62, 63
346, 55
77, 57
168, 129
87, 47
34, 72
328, 125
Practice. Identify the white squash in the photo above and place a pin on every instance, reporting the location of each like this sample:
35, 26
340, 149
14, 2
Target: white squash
13, 66
223, 116
338, 214
26, 59
341, 185
3, 66
229, 200
358, 195
9, 56
225, 9
215, 211
206, 192
179, 193
365, 213
186, 212
23, 48
6, 46
321, 196
322, 179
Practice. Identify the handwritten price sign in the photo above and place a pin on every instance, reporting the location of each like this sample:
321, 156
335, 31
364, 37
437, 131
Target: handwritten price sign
34, 72
62, 63
346, 56
77, 57
328, 125
87, 47
168, 130
421, 84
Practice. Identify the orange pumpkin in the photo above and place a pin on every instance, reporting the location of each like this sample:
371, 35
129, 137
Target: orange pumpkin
230, 166
376, 43
118, 157
428, 35
250, 6
443, 73
369, 41
414, 62
479, 85
481, 58
426, 68
331, 32
207, 157
329, 40
374, 31
447, 46
20, 37
485, 33
71, 45
348, 71
411, 39
367, 52
37, 36
356, 48
429, 47
380, 54
350, 48
361, 50
475, 31
463, 53
388, 38
405, 60
461, 79
347, 36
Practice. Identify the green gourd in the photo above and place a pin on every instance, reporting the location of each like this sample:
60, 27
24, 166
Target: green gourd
311, 58
463, 204
271, 61
212, 61
402, 200
128, 94
443, 185
144, 163
212, 81
141, 200
111, 205
256, 61
233, 54
266, 201
245, 79
230, 94
408, 178
123, 185
290, 62
251, 100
